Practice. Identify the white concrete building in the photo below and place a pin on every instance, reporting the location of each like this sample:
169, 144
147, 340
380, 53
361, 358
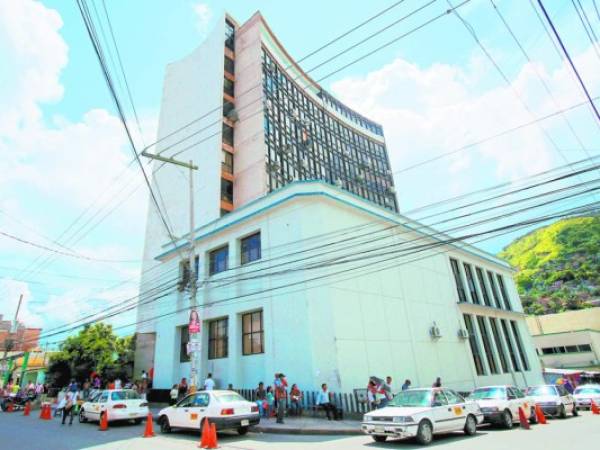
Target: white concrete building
305, 265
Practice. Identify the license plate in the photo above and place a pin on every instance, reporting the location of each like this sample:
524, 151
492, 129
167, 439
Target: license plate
245, 422
132, 414
379, 430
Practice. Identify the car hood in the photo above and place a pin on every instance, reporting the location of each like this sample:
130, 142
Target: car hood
545, 398
394, 411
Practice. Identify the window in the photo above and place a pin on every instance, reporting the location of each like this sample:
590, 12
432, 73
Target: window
503, 291
524, 360
453, 397
471, 283
250, 248
511, 350
229, 35
252, 333
229, 65
227, 134
487, 345
439, 399
585, 348
226, 162
494, 289
185, 338
228, 86
184, 273
498, 341
462, 297
571, 348
218, 260
474, 345
218, 338
484, 291
226, 190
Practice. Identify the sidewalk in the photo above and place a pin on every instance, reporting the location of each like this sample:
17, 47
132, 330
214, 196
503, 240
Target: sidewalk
308, 425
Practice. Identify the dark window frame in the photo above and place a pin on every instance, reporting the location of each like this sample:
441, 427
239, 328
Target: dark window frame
482, 286
252, 332
214, 266
520, 348
475, 351
509, 344
183, 354
499, 346
503, 292
460, 288
487, 345
494, 289
218, 342
471, 283
250, 254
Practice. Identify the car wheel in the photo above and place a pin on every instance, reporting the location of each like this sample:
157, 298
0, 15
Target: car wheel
137, 421
379, 438
562, 412
575, 412
532, 417
242, 430
507, 419
82, 418
165, 426
470, 425
425, 433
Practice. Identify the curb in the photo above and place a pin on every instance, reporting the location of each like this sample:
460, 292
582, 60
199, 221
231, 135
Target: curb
307, 431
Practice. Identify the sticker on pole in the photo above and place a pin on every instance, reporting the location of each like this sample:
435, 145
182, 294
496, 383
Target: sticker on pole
192, 347
194, 323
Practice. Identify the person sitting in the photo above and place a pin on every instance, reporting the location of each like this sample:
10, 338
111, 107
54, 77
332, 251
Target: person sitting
296, 400
261, 399
324, 402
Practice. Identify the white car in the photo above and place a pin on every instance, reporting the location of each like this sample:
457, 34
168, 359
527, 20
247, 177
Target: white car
228, 410
500, 404
421, 413
584, 395
554, 400
120, 404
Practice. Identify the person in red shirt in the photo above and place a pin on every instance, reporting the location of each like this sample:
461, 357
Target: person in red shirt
280, 385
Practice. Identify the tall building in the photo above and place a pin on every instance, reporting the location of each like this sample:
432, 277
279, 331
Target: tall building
304, 263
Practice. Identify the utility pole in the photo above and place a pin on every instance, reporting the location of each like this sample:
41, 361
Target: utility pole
194, 332
8, 342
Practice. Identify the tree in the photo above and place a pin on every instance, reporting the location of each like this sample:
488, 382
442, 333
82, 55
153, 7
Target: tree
95, 349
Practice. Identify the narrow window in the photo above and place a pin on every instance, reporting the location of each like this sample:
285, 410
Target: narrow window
226, 162
228, 86
585, 348
218, 260
218, 338
520, 347
511, 350
185, 338
229, 65
252, 333
484, 291
503, 291
498, 340
229, 35
487, 345
227, 134
474, 345
462, 297
226, 190
250, 248
494, 290
471, 283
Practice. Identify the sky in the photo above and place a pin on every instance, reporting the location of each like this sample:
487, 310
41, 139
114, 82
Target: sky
66, 178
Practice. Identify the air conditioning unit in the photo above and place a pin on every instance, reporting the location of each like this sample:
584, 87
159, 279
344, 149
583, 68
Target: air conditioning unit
463, 334
435, 332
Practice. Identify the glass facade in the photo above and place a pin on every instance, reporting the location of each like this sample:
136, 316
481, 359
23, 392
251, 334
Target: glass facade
484, 291
460, 288
305, 142
471, 283
474, 345
499, 347
511, 349
487, 345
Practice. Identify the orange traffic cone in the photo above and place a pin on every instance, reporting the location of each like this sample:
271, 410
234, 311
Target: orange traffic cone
595, 409
523, 420
212, 442
149, 431
27, 409
540, 416
104, 421
47, 412
10, 407
42, 408
205, 432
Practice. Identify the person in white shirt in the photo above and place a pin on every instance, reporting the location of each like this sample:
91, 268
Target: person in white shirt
324, 402
118, 383
209, 383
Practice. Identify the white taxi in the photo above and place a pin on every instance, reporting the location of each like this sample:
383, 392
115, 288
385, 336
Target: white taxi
120, 404
584, 395
554, 400
228, 410
500, 404
421, 413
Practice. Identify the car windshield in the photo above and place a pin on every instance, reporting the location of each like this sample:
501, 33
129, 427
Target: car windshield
587, 390
124, 395
417, 397
488, 393
229, 397
542, 390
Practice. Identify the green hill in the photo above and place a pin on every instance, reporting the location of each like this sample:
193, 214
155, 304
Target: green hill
558, 265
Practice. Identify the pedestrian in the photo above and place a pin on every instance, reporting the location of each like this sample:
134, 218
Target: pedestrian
270, 399
260, 396
406, 384
144, 375
324, 402
61, 401
280, 395
118, 383
372, 397
209, 383
295, 400
67, 409
143, 389
183, 388
97, 382
173, 394
437, 383
111, 385
230, 387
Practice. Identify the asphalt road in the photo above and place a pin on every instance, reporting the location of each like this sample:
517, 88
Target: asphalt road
18, 432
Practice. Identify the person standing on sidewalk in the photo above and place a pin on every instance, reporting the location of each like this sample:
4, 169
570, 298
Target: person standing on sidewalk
280, 396
70, 400
209, 383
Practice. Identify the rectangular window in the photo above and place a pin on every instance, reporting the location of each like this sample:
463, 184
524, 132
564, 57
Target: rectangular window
474, 346
484, 291
229, 65
487, 345
471, 283
184, 273
503, 292
511, 350
548, 351
226, 190
494, 290
185, 338
462, 297
228, 87
520, 347
498, 341
218, 260
585, 348
226, 162
252, 333
227, 134
218, 338
229, 35
250, 248
571, 348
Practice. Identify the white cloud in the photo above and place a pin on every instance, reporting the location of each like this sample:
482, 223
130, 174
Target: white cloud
203, 15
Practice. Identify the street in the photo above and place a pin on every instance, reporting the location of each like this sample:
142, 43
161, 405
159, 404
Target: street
31, 433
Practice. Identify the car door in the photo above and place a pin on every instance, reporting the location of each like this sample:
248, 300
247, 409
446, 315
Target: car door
99, 405
441, 412
513, 402
523, 402
190, 411
457, 408
565, 398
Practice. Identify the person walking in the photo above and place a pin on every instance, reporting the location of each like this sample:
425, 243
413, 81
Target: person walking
324, 402
437, 383
70, 400
388, 395
280, 396
209, 383
406, 384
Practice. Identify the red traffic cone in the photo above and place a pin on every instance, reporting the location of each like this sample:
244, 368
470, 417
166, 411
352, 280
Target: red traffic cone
205, 432
212, 441
27, 409
595, 409
10, 407
149, 431
103, 421
523, 420
540, 416
42, 409
47, 412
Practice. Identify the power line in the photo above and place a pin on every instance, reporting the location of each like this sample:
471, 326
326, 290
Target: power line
585, 23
